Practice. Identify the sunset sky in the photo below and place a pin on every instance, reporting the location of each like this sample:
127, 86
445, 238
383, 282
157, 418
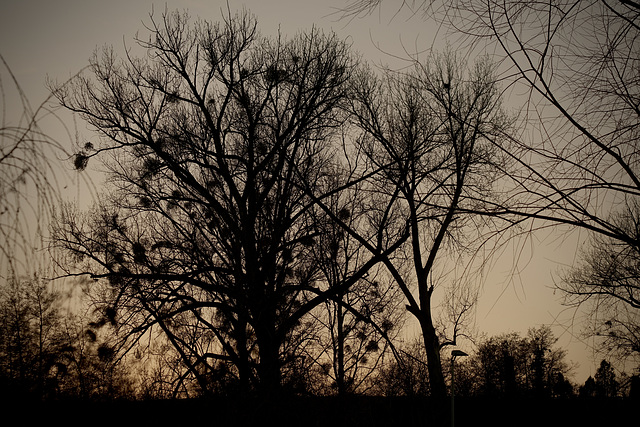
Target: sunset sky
54, 39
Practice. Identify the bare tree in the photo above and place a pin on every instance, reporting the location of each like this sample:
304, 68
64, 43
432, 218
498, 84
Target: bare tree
213, 136
405, 375
584, 94
46, 353
606, 281
577, 62
429, 133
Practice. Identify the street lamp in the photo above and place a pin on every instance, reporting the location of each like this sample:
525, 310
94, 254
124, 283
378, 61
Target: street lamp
454, 354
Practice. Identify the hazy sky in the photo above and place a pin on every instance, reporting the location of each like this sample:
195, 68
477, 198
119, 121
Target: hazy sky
40, 38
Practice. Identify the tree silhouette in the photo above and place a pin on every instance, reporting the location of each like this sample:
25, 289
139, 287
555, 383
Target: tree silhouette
30, 346
605, 381
588, 389
606, 281
215, 138
511, 365
577, 63
405, 375
47, 354
428, 134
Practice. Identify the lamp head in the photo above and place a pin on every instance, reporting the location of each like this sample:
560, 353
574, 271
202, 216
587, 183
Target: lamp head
456, 353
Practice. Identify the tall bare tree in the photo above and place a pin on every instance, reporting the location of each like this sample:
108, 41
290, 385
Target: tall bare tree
214, 136
30, 345
430, 133
577, 62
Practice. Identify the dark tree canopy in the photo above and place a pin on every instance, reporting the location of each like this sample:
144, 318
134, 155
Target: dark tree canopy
47, 353
511, 365
605, 381
215, 138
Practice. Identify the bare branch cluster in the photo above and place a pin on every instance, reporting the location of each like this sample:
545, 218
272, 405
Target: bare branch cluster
220, 143
573, 68
29, 179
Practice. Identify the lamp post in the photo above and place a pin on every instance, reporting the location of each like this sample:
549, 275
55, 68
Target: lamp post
454, 354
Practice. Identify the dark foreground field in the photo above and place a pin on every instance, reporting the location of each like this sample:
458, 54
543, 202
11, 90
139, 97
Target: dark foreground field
352, 411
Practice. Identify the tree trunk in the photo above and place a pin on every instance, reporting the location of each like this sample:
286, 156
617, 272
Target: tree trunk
269, 370
244, 369
269, 351
434, 364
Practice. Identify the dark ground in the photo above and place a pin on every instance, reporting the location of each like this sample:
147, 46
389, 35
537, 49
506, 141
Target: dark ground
328, 412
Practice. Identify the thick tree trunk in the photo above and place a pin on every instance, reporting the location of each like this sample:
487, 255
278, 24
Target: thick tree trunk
431, 340
434, 364
438, 388
269, 370
269, 375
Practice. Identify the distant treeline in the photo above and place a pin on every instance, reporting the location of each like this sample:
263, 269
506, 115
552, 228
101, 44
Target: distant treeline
46, 354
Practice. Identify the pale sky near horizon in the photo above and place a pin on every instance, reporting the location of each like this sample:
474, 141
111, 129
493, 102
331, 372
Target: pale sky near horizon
40, 39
